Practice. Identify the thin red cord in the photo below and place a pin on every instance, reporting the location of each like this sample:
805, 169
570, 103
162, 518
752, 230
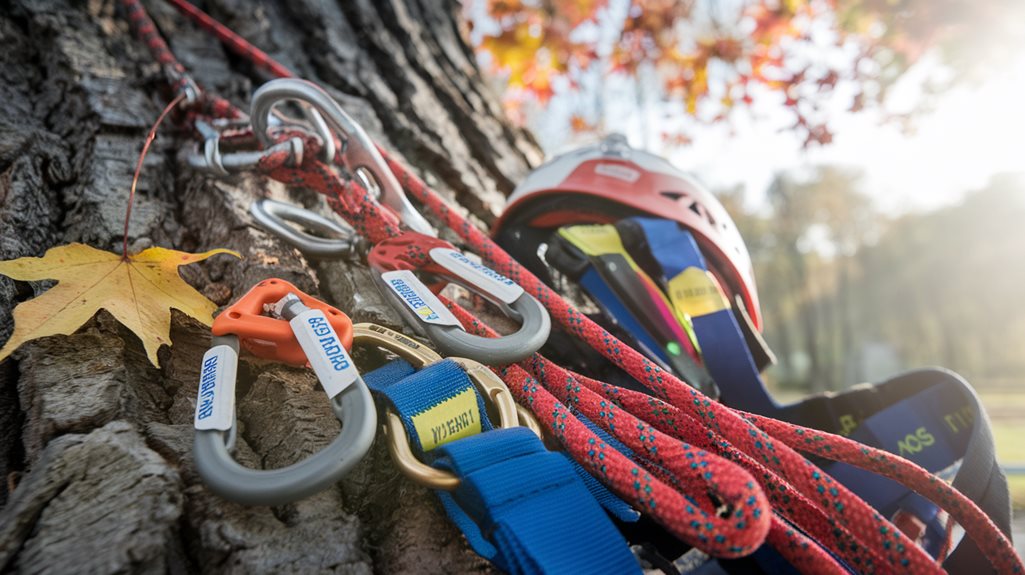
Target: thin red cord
138, 166
236, 43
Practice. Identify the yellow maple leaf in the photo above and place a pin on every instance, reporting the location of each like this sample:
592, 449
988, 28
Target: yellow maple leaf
139, 291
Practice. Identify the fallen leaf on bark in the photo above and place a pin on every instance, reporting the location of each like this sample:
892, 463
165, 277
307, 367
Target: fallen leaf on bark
139, 291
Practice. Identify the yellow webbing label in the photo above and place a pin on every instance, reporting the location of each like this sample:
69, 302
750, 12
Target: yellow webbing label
602, 239
596, 240
455, 418
695, 292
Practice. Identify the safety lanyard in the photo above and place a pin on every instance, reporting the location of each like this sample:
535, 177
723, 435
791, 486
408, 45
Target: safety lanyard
519, 505
865, 537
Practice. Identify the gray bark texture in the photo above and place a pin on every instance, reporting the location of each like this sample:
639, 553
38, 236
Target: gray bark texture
96, 470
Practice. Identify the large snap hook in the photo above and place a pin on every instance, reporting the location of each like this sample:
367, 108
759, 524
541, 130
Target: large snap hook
394, 260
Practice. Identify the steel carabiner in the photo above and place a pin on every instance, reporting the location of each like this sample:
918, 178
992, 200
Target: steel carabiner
214, 160
275, 217
393, 261
317, 333
358, 152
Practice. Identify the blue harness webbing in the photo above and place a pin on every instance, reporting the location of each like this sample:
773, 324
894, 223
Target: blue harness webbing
520, 506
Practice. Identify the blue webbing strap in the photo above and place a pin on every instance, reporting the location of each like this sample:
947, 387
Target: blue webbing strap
533, 505
593, 283
931, 417
394, 371
519, 505
725, 354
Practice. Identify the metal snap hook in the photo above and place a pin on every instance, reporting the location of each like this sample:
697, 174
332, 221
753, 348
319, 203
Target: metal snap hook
314, 331
425, 313
358, 154
274, 216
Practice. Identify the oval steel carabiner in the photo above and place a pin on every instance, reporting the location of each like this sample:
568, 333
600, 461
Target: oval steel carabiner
489, 385
275, 216
395, 260
321, 333
358, 152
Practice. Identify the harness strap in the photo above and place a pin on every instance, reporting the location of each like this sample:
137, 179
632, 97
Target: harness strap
606, 271
520, 506
653, 245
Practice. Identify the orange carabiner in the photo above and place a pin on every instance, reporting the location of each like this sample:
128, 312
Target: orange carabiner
272, 338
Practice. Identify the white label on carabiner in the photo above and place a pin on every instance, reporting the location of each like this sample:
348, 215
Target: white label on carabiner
425, 305
215, 404
324, 350
478, 274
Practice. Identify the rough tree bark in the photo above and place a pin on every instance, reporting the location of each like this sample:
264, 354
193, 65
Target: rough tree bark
95, 444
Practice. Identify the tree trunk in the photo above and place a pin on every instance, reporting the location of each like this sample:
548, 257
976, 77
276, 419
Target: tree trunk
95, 444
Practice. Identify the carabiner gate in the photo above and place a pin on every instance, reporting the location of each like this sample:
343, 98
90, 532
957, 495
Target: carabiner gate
316, 335
395, 260
358, 152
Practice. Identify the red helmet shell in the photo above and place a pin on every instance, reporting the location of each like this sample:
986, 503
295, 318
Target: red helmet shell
646, 183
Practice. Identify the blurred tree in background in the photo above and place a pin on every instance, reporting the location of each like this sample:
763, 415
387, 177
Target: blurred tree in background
852, 295
714, 56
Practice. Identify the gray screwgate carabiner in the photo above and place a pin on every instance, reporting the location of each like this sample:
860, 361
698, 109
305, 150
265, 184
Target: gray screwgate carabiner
424, 312
215, 418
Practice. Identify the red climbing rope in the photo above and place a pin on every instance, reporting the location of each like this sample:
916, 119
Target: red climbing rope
721, 480
237, 44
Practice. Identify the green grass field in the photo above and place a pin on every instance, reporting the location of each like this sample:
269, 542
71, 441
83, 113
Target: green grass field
1010, 438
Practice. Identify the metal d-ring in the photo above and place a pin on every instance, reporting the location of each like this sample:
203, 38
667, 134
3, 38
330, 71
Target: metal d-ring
491, 388
358, 153
275, 216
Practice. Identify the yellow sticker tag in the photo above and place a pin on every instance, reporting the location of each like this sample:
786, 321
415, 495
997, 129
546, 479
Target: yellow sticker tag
595, 240
452, 419
695, 292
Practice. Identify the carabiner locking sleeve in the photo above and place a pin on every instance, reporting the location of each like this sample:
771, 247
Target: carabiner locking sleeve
358, 152
394, 261
316, 335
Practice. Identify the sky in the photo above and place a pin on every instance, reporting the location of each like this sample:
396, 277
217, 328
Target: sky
971, 134
965, 136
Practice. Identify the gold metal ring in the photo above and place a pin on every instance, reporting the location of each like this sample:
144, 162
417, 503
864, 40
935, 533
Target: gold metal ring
490, 386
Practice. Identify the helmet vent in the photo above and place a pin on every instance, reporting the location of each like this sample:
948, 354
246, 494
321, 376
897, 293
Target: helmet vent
675, 196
